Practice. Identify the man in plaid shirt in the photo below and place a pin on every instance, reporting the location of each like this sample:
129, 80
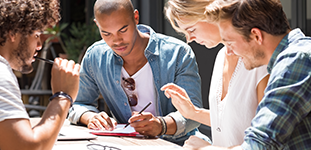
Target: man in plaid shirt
258, 31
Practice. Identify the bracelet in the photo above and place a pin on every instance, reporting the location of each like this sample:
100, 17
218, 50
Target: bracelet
164, 127
62, 95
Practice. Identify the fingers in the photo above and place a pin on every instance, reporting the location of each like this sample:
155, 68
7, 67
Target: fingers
171, 93
70, 66
102, 121
171, 87
149, 125
145, 124
64, 64
110, 125
138, 117
76, 70
65, 77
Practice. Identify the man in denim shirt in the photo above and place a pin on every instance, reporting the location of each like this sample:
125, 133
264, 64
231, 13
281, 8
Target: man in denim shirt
258, 31
128, 68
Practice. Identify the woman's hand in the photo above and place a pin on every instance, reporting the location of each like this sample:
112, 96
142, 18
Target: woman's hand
180, 99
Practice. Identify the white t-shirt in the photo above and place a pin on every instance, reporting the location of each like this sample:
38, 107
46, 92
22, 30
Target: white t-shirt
231, 116
144, 88
11, 104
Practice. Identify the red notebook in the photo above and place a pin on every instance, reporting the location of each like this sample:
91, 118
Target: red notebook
135, 134
118, 131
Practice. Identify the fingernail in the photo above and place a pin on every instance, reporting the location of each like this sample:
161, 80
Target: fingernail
167, 95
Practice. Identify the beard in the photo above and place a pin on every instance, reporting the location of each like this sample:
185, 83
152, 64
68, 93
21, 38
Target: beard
22, 54
256, 61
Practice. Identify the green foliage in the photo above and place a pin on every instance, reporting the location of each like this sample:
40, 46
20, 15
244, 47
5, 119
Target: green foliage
55, 31
82, 36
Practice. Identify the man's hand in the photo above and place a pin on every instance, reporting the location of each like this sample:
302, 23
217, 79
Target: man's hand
65, 77
146, 124
99, 121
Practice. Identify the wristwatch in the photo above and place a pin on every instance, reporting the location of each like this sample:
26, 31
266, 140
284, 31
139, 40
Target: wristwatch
62, 95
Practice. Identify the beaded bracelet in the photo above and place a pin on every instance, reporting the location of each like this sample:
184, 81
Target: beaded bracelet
164, 127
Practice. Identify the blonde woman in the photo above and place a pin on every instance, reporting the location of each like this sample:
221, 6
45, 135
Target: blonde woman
234, 91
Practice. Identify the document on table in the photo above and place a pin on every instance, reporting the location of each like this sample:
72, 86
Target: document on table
106, 145
69, 133
118, 131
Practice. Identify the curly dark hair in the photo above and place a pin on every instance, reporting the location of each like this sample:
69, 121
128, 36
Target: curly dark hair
26, 16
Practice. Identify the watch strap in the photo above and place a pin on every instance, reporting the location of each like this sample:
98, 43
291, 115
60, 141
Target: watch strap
62, 95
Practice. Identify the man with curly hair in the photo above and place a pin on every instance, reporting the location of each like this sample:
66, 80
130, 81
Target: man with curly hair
21, 24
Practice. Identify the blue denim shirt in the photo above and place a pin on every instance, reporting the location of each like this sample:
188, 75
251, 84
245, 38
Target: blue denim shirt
171, 61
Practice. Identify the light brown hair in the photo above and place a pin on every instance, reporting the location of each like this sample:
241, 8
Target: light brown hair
266, 15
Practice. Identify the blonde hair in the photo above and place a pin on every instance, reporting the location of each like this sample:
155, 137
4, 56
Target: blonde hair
194, 10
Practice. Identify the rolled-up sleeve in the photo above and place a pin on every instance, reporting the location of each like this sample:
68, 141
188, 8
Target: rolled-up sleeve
187, 77
87, 94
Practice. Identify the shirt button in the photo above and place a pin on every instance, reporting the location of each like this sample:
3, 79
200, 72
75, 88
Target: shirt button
117, 81
218, 129
125, 104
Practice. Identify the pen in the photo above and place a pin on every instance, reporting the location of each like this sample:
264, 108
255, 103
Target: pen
138, 113
46, 60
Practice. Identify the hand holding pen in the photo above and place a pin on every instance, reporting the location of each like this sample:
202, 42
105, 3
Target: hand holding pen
140, 112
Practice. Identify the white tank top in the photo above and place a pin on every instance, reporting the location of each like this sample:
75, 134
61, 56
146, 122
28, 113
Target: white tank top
144, 88
232, 115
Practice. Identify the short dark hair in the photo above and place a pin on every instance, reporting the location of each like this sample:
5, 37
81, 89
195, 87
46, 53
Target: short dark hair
266, 15
109, 6
26, 16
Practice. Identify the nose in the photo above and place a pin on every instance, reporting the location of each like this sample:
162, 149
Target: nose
229, 51
39, 45
190, 38
117, 39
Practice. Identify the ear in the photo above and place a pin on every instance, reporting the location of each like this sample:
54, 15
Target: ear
136, 16
95, 21
257, 35
12, 36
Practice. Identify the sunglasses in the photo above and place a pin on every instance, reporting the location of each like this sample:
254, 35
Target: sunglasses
129, 85
101, 147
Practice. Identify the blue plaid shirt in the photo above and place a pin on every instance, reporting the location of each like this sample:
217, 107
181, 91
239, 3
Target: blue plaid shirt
283, 119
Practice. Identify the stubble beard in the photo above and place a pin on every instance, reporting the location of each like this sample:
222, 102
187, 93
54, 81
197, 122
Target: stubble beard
130, 48
255, 62
22, 55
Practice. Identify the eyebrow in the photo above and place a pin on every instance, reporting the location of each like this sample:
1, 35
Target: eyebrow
118, 30
188, 28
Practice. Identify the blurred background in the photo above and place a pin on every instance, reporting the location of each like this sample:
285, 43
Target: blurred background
76, 31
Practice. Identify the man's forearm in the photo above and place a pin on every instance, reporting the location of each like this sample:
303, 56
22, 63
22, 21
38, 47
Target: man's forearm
171, 125
52, 120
